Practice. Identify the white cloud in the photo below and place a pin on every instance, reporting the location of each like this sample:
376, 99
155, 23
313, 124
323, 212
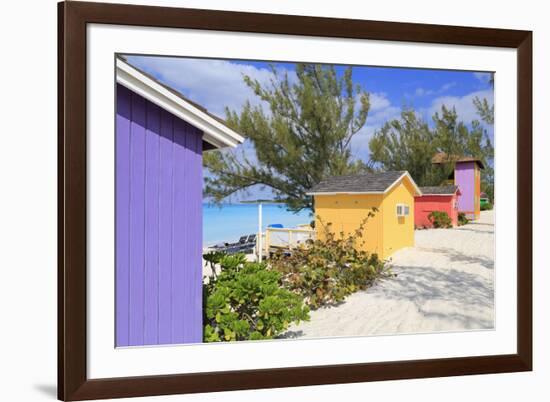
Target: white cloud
419, 92
214, 84
378, 118
381, 109
384, 111
380, 112
447, 86
360, 142
378, 100
422, 92
464, 105
483, 77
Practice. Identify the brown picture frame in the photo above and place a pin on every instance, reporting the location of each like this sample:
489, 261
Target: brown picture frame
73, 383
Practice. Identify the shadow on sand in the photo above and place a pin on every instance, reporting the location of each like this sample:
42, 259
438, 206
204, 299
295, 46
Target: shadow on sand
422, 285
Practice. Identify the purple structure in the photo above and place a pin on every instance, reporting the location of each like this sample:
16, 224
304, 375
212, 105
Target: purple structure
464, 179
158, 225
467, 176
160, 137
468, 179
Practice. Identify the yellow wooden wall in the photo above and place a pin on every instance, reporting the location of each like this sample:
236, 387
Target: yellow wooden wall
398, 232
385, 233
345, 212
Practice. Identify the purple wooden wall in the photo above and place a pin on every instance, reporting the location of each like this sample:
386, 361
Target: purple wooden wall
464, 179
158, 225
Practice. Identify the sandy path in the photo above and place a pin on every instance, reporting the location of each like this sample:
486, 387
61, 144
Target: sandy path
444, 283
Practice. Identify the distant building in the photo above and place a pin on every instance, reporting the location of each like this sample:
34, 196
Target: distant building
442, 198
467, 176
345, 201
160, 138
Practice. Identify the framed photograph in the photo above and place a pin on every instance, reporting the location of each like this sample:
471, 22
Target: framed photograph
253, 200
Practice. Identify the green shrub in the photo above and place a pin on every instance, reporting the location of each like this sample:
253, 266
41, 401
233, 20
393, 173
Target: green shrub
486, 206
440, 219
246, 301
462, 220
326, 271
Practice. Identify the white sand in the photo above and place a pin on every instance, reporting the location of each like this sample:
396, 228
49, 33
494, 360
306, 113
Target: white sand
444, 283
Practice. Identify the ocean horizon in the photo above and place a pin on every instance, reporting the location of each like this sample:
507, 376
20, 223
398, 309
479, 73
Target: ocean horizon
228, 222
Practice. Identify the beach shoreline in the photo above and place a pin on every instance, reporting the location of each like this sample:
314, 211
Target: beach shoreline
228, 222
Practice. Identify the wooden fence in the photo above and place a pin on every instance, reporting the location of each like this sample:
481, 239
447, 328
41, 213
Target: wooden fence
282, 239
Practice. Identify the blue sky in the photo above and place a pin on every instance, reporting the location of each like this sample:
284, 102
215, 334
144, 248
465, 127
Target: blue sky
215, 84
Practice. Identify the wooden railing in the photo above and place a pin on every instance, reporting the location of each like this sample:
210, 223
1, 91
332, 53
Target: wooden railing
286, 238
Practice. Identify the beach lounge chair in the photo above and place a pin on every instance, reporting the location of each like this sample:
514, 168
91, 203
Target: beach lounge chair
250, 244
238, 247
246, 247
225, 246
242, 240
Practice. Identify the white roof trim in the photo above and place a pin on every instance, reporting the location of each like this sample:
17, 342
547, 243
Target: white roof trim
215, 132
405, 174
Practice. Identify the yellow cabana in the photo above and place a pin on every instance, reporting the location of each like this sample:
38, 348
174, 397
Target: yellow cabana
345, 201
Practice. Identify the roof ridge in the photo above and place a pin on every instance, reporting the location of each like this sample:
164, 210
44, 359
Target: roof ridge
363, 182
366, 173
443, 189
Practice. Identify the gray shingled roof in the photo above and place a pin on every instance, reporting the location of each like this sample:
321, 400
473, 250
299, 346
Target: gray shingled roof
442, 157
377, 182
439, 190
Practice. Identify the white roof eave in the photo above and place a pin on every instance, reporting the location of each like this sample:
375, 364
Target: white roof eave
215, 133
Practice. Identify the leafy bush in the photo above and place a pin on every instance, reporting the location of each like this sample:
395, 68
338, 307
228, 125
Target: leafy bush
486, 207
440, 219
326, 271
462, 220
245, 301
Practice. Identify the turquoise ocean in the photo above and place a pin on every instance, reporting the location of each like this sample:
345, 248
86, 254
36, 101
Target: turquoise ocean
228, 222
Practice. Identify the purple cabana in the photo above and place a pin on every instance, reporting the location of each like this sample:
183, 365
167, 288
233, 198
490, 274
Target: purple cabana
160, 137
467, 176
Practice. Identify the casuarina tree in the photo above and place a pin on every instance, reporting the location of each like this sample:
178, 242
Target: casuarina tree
409, 143
297, 135
486, 112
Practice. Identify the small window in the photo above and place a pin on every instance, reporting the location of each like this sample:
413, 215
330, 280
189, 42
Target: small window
402, 210
399, 210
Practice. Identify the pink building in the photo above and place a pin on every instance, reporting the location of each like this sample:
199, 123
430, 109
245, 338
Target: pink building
441, 198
